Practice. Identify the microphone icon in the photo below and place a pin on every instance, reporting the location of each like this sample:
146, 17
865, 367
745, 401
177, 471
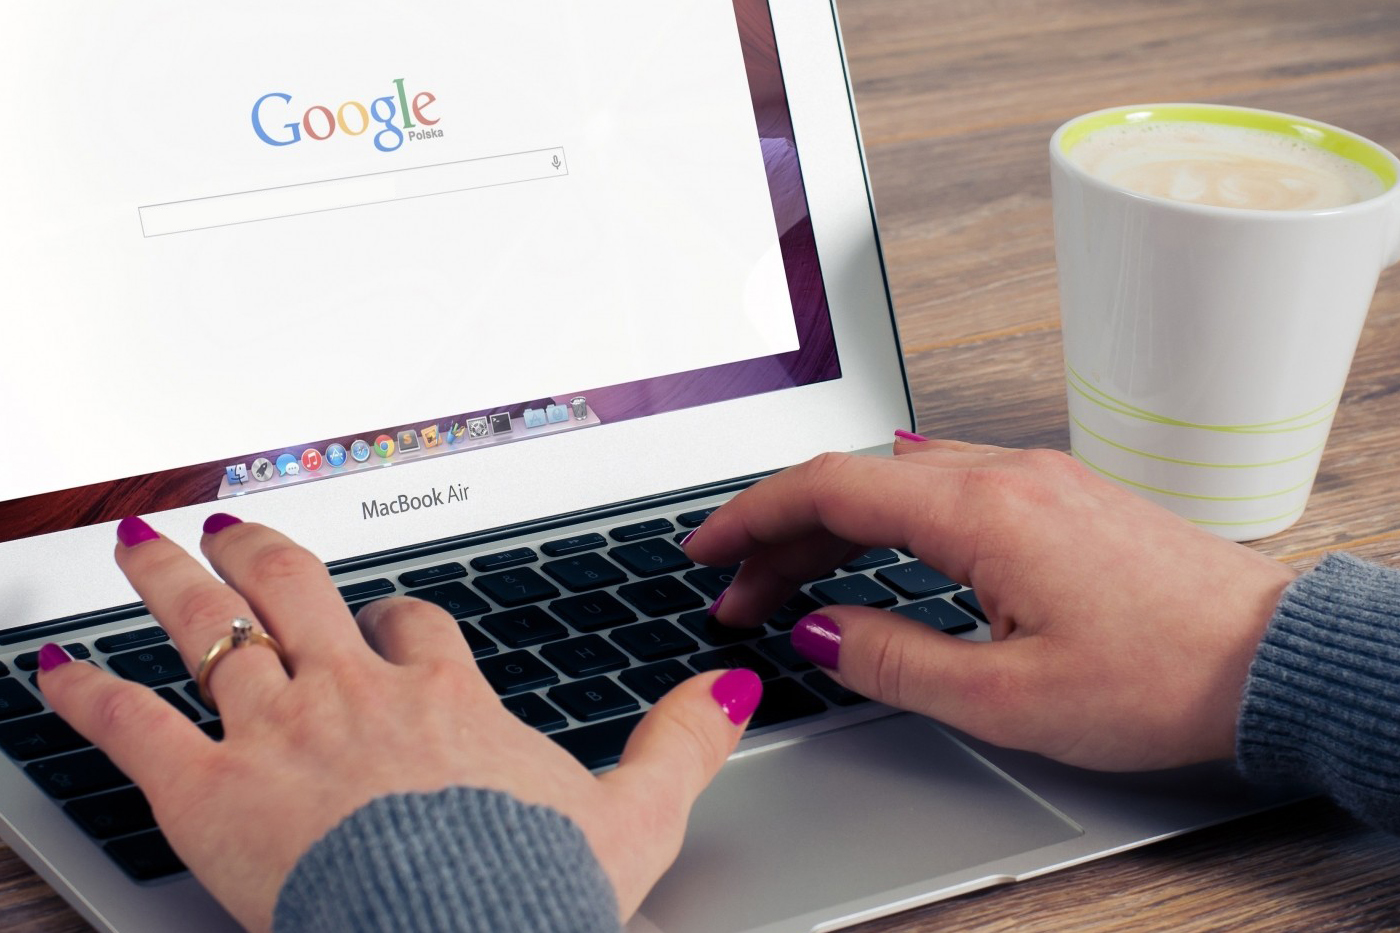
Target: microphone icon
555, 162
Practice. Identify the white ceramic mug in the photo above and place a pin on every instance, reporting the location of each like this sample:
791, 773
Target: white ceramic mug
1206, 347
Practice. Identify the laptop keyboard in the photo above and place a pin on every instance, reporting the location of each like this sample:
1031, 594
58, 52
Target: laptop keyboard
578, 635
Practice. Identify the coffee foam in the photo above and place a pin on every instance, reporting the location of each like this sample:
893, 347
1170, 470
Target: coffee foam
1226, 166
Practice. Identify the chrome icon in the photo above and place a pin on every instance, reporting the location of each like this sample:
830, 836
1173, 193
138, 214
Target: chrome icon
384, 446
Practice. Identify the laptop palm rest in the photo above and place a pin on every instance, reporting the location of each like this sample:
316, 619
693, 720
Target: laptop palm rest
838, 818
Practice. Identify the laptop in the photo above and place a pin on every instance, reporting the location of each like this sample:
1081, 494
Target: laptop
487, 304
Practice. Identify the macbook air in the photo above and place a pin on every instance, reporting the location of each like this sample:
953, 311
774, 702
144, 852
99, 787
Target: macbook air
487, 304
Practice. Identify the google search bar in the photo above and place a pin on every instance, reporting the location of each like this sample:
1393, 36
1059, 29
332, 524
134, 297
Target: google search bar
335, 194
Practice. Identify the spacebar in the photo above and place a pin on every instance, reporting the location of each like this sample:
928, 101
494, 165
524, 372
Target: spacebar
598, 745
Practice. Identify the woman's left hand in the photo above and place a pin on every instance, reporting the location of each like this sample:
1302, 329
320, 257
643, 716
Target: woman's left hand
402, 708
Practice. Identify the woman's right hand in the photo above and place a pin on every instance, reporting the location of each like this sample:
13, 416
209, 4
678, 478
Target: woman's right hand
1122, 634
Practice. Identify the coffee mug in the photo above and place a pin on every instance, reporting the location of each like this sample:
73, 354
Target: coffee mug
1216, 264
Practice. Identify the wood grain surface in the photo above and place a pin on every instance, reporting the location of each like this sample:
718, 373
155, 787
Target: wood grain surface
957, 101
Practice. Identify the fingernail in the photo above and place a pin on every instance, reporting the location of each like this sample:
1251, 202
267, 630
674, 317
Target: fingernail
218, 522
818, 639
686, 539
52, 656
737, 692
713, 611
132, 531
910, 436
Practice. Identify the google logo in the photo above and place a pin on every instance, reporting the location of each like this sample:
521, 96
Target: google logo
351, 118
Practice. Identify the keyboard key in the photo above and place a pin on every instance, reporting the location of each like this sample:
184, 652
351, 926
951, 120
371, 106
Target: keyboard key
712, 580
29, 660
535, 712
654, 640
15, 700
516, 587
503, 559
115, 813
662, 596
438, 573
853, 591
76, 775
192, 691
366, 589
159, 664
939, 614
572, 545
968, 600
598, 745
646, 529
37, 736
583, 656
455, 598
584, 572
734, 656
783, 701
481, 645
592, 612
799, 605
875, 557
145, 857
524, 626
171, 696
651, 557
834, 692
916, 580
654, 681
696, 518
593, 699
704, 627
136, 638
516, 671
779, 648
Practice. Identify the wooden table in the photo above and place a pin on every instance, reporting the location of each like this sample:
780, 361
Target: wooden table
957, 101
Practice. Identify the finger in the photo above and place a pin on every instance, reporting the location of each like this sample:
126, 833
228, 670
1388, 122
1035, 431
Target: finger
765, 581
197, 610
912, 444
976, 687
671, 756
933, 503
153, 743
288, 587
403, 630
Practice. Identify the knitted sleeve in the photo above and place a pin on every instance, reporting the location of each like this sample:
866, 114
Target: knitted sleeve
1322, 702
461, 860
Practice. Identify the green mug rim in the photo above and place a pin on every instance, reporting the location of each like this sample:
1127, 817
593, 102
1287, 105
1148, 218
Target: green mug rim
1329, 138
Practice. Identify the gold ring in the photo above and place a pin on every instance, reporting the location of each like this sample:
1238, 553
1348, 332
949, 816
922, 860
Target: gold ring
241, 636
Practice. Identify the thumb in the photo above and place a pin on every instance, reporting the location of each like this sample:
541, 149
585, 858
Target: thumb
671, 756
910, 665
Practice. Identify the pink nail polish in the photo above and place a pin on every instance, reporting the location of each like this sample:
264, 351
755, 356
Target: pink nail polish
713, 611
910, 436
132, 531
818, 639
52, 656
686, 539
218, 522
737, 692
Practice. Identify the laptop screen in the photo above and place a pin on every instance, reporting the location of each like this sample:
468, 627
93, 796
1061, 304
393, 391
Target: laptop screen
253, 248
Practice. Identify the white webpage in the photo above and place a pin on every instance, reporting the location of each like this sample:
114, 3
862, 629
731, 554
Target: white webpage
234, 229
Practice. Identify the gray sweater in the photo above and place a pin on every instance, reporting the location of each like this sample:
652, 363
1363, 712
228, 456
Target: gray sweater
1322, 706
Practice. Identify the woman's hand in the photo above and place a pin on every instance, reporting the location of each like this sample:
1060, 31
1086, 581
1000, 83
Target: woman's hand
402, 708
1122, 633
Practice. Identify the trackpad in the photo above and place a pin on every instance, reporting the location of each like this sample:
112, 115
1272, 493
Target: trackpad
840, 817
